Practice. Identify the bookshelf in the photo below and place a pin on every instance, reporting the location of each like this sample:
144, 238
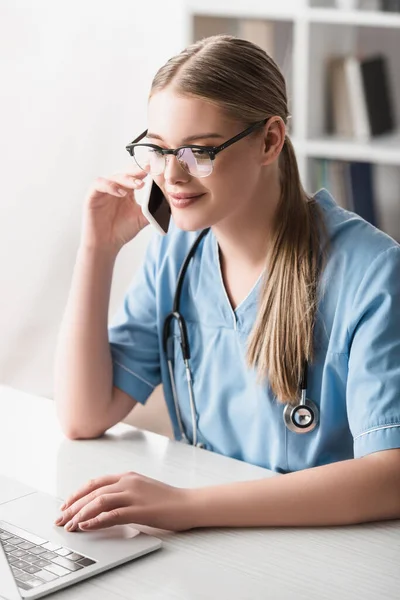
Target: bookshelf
385, 150
359, 18
307, 32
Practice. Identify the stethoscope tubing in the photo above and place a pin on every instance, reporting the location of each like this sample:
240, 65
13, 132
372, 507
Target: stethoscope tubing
300, 418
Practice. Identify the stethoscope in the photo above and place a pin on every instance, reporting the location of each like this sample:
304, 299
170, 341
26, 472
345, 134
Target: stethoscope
300, 418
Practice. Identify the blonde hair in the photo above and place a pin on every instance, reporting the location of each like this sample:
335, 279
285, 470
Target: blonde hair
245, 82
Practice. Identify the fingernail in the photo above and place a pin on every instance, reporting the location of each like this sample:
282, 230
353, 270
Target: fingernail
121, 192
58, 521
68, 526
63, 506
139, 181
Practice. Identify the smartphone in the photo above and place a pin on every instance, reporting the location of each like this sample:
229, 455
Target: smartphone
155, 207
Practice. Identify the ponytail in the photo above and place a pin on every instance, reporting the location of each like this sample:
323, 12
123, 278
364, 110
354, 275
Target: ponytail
282, 337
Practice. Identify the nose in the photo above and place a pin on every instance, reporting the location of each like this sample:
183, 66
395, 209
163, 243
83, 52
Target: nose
174, 172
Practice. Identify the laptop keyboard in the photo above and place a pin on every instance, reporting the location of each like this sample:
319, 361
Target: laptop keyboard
35, 561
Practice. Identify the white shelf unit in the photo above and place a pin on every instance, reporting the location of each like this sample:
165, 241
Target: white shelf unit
383, 150
312, 33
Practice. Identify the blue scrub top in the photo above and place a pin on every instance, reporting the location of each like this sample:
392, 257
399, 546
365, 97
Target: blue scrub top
354, 380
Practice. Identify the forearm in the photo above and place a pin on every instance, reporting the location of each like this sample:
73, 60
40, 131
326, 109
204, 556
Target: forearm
83, 367
351, 491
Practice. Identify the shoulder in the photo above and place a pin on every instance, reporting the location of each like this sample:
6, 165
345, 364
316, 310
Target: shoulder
354, 245
348, 230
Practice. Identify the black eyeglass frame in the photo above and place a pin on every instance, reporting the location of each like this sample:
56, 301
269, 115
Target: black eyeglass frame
212, 150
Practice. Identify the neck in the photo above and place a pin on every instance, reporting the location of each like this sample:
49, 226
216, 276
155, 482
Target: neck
245, 237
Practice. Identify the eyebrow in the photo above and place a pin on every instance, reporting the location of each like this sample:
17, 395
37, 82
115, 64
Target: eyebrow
190, 138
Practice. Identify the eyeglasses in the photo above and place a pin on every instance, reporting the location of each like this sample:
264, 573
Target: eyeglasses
198, 161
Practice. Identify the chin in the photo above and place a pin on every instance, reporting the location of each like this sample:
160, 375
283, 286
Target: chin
191, 222
184, 226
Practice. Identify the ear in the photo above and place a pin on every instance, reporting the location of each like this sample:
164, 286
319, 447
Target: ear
274, 138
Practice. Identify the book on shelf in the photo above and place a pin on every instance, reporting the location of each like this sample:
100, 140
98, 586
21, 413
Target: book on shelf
347, 110
378, 94
390, 5
382, 5
362, 191
276, 40
351, 185
347, 4
259, 32
359, 97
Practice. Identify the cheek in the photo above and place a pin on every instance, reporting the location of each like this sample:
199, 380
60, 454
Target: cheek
232, 178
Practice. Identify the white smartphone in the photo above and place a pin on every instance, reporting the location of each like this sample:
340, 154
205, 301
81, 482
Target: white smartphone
155, 207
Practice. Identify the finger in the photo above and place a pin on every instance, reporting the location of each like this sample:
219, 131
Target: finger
90, 486
135, 171
131, 181
77, 506
114, 188
104, 503
116, 516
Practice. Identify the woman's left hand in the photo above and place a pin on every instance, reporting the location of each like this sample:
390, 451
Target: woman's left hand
126, 498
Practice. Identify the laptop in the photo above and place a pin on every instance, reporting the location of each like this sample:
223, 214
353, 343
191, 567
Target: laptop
38, 557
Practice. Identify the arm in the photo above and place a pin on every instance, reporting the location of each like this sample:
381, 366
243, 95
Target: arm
347, 492
86, 401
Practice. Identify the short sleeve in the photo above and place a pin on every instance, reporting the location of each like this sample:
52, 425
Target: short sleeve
373, 384
133, 332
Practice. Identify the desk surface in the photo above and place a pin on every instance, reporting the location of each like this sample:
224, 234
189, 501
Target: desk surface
350, 562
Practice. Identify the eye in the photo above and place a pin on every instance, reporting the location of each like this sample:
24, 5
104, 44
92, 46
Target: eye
200, 153
155, 151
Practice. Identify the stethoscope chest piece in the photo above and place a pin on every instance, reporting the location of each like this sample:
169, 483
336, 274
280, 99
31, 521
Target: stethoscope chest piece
301, 418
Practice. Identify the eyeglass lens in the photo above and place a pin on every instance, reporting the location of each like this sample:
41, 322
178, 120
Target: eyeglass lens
196, 162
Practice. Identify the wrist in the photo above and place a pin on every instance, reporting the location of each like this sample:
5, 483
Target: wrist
106, 251
199, 511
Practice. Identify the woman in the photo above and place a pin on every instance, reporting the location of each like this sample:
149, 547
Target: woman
280, 280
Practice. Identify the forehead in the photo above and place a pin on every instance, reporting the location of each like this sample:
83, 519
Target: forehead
173, 116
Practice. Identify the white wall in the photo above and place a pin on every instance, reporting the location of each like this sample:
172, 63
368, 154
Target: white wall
74, 82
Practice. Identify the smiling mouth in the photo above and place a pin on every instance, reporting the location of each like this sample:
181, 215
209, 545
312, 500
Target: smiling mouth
183, 200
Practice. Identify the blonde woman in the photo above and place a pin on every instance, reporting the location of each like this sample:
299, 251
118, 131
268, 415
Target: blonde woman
286, 297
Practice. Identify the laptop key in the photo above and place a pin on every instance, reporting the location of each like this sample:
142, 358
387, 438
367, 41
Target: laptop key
31, 569
75, 556
34, 582
57, 570
46, 575
19, 565
86, 562
15, 541
63, 552
23, 577
41, 563
48, 555
51, 547
8, 548
5, 536
23, 586
38, 550
32, 558
19, 553
68, 564
26, 546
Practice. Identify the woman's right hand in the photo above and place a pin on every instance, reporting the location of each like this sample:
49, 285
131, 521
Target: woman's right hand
111, 216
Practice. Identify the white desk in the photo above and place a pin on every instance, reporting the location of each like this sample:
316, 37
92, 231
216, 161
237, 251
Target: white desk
361, 562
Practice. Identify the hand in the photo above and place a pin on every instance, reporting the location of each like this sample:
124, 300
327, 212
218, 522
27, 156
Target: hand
111, 214
126, 498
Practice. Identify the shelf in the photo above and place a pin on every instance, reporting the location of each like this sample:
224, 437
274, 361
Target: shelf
251, 9
383, 150
366, 18
292, 10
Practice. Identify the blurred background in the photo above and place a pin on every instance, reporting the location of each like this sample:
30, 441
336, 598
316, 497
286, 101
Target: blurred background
74, 83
